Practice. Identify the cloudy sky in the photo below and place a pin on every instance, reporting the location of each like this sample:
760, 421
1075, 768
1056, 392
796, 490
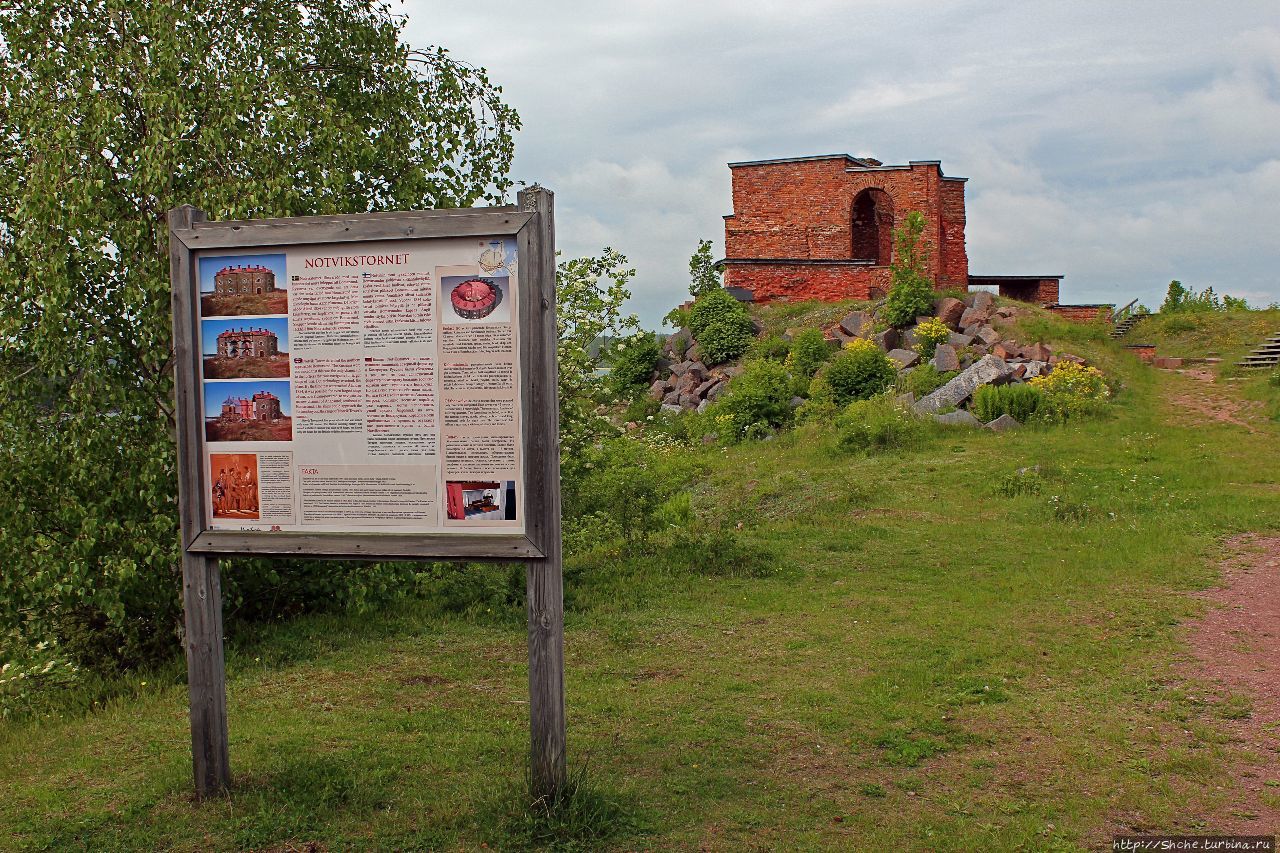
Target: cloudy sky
1120, 144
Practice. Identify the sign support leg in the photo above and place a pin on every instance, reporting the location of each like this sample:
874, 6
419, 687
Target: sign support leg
546, 675
206, 674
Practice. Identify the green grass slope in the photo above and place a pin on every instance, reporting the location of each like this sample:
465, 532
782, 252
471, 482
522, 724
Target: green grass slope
970, 646
1230, 334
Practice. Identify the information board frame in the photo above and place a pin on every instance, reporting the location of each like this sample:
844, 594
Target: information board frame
530, 222
536, 374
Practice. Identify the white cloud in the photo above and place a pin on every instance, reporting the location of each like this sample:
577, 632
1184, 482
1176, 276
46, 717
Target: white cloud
1119, 144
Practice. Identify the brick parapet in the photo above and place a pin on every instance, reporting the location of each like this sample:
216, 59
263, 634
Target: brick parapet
1083, 313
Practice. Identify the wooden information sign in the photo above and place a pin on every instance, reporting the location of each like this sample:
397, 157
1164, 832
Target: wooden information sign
373, 386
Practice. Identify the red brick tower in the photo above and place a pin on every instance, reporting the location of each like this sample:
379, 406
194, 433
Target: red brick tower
822, 227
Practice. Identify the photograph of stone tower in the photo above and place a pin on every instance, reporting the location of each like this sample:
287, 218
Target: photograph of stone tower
241, 285
244, 349
253, 410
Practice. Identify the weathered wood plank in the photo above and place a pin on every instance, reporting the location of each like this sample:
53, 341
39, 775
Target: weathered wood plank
201, 584
206, 674
357, 228
544, 579
368, 546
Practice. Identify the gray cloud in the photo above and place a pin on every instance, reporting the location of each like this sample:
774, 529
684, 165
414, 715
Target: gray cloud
1119, 144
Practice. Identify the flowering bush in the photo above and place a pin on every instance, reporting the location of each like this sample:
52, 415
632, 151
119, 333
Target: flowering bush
930, 333
1070, 391
633, 360
859, 345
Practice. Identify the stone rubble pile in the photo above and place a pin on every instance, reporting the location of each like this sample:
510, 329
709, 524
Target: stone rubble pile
978, 350
689, 382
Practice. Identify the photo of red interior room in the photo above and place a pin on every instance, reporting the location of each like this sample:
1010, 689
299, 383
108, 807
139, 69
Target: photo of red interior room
481, 500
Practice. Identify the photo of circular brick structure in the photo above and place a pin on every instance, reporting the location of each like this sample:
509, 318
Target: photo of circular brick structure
475, 298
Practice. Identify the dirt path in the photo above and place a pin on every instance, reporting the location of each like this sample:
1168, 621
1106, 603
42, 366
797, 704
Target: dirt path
1205, 400
1237, 648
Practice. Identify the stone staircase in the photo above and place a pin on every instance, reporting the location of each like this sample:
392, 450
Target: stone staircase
1123, 326
1266, 355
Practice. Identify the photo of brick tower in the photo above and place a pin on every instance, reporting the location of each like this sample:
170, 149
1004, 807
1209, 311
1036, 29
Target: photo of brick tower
245, 349
256, 410
239, 285
233, 479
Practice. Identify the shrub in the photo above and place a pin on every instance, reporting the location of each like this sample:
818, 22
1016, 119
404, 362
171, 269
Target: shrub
716, 306
1180, 298
1019, 402
879, 424
772, 348
930, 333
910, 291
756, 402
633, 360
1024, 481
704, 275
721, 326
1070, 391
809, 351
856, 375
722, 342
1275, 378
618, 489
858, 345
924, 380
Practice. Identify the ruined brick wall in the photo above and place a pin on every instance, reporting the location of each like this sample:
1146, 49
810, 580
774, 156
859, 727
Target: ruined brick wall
773, 282
1083, 313
266, 406
1047, 292
804, 210
1146, 352
955, 259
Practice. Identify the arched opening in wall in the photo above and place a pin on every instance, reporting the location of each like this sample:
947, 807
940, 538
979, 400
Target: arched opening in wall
873, 227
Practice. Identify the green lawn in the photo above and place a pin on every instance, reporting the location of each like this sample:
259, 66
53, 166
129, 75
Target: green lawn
946, 655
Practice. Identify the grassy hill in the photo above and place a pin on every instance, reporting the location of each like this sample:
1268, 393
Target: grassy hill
1229, 334
973, 645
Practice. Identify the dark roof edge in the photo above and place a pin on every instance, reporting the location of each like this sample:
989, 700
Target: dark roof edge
773, 160
878, 169
1015, 277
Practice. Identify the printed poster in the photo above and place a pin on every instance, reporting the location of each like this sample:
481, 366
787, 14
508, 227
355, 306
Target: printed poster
362, 387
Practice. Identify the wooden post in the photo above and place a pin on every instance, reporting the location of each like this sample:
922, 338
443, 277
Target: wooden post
544, 578
206, 674
201, 584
